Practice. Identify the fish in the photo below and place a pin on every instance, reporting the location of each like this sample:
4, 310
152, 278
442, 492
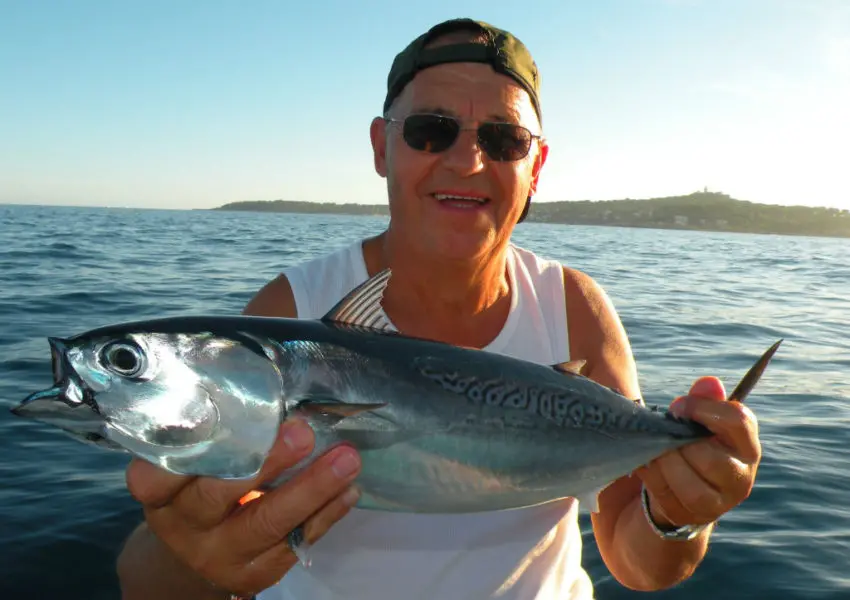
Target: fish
439, 428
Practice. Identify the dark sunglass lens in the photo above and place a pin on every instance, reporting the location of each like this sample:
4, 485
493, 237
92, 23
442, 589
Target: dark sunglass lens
503, 141
430, 133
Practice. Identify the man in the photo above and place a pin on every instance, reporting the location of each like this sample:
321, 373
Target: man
460, 146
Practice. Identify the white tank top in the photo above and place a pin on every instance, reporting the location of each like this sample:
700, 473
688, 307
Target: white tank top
529, 554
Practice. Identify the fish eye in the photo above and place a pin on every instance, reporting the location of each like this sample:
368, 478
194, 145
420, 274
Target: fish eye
123, 358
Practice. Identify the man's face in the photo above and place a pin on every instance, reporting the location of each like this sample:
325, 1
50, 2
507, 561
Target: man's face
418, 181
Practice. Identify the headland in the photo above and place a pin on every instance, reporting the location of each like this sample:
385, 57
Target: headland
700, 211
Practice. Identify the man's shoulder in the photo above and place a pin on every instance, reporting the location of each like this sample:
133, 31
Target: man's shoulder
595, 326
596, 333
582, 288
338, 253
585, 298
533, 261
277, 297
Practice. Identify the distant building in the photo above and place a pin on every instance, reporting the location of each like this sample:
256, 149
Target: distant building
680, 220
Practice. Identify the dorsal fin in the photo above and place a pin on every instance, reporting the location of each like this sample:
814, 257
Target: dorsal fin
362, 305
572, 367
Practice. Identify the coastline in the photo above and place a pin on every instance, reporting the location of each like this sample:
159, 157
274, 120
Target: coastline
700, 211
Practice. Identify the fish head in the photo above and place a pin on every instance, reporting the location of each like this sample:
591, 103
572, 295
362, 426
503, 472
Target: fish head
194, 403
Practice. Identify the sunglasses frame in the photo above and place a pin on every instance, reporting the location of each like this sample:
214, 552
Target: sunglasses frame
533, 136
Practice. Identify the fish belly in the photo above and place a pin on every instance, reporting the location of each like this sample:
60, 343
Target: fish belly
456, 473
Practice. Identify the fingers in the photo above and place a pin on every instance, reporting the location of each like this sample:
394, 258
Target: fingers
240, 545
734, 425
280, 558
265, 523
708, 387
678, 492
205, 502
319, 524
716, 466
151, 485
699, 482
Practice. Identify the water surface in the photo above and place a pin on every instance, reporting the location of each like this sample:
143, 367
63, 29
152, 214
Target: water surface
693, 303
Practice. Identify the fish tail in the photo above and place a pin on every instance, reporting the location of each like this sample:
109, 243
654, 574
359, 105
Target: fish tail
749, 381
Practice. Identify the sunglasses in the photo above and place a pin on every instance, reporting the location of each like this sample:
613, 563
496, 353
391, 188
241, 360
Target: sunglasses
436, 133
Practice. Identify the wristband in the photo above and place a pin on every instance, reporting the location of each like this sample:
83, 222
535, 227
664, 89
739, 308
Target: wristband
683, 533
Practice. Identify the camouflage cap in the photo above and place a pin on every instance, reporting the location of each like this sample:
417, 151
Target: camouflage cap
502, 51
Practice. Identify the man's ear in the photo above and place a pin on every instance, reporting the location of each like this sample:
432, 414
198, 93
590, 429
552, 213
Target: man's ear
539, 161
378, 135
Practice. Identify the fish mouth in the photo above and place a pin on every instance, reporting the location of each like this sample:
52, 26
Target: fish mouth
69, 404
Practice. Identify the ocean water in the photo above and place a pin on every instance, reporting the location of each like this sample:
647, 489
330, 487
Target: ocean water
693, 303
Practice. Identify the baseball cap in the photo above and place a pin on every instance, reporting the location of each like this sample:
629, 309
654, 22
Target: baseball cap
502, 51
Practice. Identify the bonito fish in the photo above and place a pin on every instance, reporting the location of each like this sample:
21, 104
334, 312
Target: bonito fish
440, 428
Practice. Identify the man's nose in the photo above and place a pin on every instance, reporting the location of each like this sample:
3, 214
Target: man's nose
465, 156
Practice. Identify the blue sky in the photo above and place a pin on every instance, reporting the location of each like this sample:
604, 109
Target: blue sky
191, 104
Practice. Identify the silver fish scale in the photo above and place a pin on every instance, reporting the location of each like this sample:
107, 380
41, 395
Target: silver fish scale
556, 407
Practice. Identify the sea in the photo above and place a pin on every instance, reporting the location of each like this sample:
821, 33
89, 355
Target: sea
693, 303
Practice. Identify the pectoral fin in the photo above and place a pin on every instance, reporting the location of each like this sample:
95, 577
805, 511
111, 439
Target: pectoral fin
356, 424
335, 410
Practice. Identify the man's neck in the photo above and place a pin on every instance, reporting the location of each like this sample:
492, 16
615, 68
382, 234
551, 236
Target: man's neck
466, 302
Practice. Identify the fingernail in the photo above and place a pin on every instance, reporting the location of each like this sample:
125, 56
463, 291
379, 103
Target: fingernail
345, 463
298, 436
351, 496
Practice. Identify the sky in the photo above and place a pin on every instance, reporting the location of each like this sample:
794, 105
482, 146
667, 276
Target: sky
194, 104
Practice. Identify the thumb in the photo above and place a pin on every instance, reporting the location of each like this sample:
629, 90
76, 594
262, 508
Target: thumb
705, 387
708, 387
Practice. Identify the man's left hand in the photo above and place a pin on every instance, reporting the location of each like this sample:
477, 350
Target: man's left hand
698, 483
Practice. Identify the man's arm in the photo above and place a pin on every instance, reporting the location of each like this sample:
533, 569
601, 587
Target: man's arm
636, 556
147, 569
275, 299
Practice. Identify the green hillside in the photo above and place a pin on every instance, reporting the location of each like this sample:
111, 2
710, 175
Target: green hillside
707, 211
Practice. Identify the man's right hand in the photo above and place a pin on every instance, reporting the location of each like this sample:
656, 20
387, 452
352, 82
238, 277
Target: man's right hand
242, 549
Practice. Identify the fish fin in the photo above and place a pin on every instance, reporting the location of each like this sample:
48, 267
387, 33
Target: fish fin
572, 367
361, 307
356, 424
297, 542
591, 499
749, 381
334, 409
